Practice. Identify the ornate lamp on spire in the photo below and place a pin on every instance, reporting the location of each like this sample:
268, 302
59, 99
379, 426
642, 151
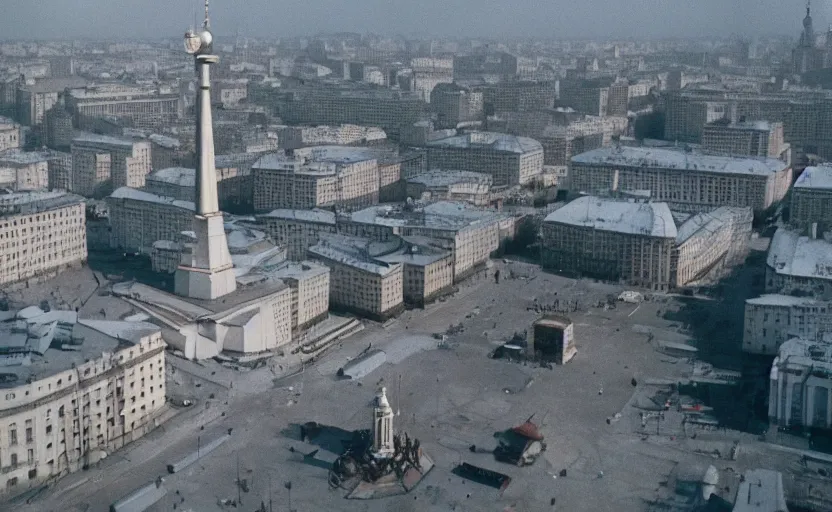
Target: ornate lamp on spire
207, 271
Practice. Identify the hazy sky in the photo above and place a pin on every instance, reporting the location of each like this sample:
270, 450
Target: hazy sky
483, 18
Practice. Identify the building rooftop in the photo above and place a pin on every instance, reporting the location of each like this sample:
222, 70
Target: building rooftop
443, 178
776, 299
804, 353
181, 176
644, 218
352, 251
704, 224
800, 256
32, 202
318, 216
45, 85
818, 177
34, 344
140, 195
101, 140
442, 215
661, 158
18, 157
496, 141
164, 141
300, 270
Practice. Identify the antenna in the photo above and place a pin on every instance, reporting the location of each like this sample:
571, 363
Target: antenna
207, 23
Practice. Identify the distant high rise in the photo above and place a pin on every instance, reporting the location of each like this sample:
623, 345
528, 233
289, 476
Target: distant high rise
808, 56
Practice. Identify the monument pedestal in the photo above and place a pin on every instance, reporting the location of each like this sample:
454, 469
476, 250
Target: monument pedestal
206, 273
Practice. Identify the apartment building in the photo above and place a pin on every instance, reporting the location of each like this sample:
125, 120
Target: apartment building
140, 107
138, 219
441, 185
428, 270
101, 163
686, 181
619, 241
309, 283
293, 137
799, 265
517, 96
590, 97
455, 105
812, 198
41, 233
24, 171
709, 244
509, 159
750, 138
9, 136
165, 152
57, 128
297, 230
428, 72
319, 176
471, 234
35, 99
773, 319
359, 282
386, 109
800, 387
67, 413
234, 184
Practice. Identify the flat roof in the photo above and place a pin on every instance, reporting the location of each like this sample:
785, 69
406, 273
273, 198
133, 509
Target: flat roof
496, 141
91, 138
340, 251
141, 195
661, 158
337, 154
817, 177
182, 176
316, 215
442, 215
761, 491
18, 203
776, 299
644, 218
444, 178
799, 256
16, 156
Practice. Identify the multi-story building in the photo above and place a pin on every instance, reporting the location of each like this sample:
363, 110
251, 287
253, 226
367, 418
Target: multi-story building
24, 171
309, 282
488, 63
471, 234
359, 282
319, 176
455, 105
771, 320
428, 72
389, 110
614, 240
60, 170
428, 270
57, 128
297, 230
138, 219
9, 136
812, 198
293, 137
808, 56
509, 159
589, 97
561, 143
41, 233
799, 264
35, 99
750, 138
234, 185
164, 152
800, 386
439, 185
140, 107
517, 96
69, 412
686, 181
709, 243
129, 163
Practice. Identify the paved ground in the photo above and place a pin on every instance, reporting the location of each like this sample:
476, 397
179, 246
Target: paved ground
450, 398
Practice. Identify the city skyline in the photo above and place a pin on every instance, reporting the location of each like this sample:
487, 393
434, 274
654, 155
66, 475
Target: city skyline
258, 18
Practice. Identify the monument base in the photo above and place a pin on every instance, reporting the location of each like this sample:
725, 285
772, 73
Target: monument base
204, 284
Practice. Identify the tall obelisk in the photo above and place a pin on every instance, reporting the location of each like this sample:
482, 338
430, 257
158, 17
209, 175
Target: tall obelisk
207, 272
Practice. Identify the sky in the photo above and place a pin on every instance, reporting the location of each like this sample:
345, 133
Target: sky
638, 19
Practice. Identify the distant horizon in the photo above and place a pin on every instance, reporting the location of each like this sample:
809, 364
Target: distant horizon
642, 20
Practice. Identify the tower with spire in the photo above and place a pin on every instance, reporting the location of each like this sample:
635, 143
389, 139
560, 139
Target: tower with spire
207, 271
382, 425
